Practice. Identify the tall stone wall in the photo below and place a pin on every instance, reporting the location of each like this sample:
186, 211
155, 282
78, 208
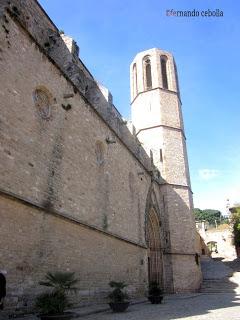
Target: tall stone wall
31, 17
185, 263
34, 242
61, 163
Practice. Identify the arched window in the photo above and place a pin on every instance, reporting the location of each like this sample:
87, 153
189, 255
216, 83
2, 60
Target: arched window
41, 98
164, 72
99, 151
135, 85
147, 73
176, 77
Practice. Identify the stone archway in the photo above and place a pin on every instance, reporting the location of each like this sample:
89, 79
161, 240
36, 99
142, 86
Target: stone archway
213, 246
155, 270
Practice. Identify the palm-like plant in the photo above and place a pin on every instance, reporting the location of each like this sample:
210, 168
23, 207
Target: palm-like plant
56, 301
117, 294
155, 292
60, 281
154, 289
52, 303
119, 299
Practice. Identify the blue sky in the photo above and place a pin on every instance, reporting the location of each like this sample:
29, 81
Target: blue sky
207, 51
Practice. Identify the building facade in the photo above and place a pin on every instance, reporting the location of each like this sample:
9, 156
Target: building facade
80, 189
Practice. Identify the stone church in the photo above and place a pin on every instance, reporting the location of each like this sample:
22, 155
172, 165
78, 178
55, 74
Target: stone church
81, 189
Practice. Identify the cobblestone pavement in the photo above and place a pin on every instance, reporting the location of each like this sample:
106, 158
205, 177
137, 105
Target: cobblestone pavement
201, 306
224, 304
214, 268
192, 307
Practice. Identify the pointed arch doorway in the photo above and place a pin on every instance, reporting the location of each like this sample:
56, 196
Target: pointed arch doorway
155, 269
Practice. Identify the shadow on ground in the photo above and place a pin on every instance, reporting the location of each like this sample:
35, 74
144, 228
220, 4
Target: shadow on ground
224, 303
234, 264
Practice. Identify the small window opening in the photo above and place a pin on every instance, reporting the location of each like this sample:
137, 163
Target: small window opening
99, 151
148, 73
161, 155
164, 72
135, 85
176, 77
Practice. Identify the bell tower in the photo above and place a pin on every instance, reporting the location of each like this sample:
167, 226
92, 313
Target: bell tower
157, 117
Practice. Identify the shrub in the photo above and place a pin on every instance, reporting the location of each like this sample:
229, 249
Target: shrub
56, 301
52, 303
118, 295
154, 289
235, 219
60, 281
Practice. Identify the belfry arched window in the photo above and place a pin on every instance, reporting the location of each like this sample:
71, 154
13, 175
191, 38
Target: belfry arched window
135, 84
147, 73
176, 77
164, 72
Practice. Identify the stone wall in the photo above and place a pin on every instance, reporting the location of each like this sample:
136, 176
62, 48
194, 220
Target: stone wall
42, 31
34, 242
224, 239
58, 157
185, 266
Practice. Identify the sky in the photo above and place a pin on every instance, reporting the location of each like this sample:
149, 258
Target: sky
207, 51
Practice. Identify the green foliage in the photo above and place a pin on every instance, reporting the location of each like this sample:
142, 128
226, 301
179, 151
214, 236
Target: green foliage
209, 215
56, 301
60, 281
118, 295
52, 303
235, 219
235, 210
154, 289
198, 213
225, 221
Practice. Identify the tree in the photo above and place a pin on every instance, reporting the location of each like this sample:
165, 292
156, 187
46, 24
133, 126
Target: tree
235, 219
209, 215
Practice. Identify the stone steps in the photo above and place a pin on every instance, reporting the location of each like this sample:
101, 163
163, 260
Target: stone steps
219, 286
217, 277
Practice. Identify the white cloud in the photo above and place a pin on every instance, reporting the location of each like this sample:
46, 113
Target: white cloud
208, 174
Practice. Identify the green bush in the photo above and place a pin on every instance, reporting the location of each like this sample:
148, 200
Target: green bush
56, 301
52, 303
60, 281
235, 219
154, 289
118, 295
